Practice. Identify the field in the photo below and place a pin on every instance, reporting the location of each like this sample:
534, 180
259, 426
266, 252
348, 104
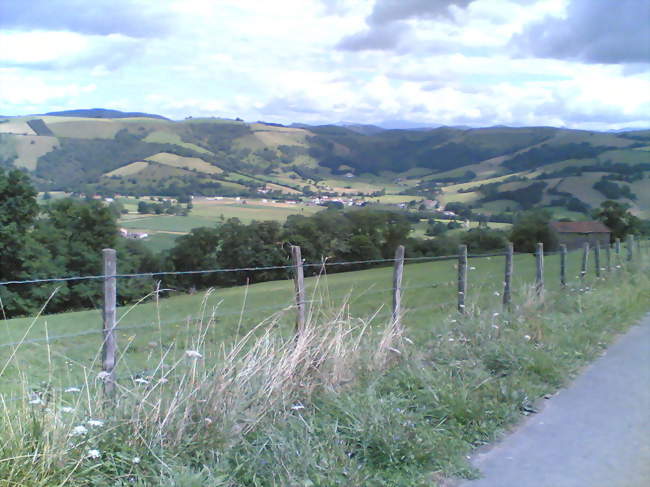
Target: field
163, 229
430, 295
353, 400
185, 163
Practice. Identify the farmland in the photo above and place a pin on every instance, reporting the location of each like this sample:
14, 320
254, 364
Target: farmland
429, 296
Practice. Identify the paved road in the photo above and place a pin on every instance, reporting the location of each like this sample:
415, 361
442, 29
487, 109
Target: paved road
596, 433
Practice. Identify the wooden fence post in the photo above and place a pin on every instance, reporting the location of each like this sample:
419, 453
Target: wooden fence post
109, 345
618, 252
462, 277
585, 258
597, 258
507, 283
398, 271
608, 256
563, 253
630, 248
299, 283
539, 274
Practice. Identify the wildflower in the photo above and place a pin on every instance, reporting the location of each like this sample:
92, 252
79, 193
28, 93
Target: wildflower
95, 422
72, 389
94, 454
103, 375
527, 337
141, 380
495, 315
79, 430
193, 354
497, 293
163, 380
208, 420
136, 460
298, 406
496, 327
454, 321
451, 339
35, 400
472, 268
67, 409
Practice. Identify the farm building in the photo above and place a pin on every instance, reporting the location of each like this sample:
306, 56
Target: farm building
575, 234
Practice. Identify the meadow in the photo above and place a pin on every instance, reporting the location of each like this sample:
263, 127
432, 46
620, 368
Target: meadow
215, 389
429, 294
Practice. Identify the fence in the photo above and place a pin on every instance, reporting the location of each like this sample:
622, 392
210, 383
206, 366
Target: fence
614, 261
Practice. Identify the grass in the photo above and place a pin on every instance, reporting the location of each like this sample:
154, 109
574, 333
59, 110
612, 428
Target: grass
354, 401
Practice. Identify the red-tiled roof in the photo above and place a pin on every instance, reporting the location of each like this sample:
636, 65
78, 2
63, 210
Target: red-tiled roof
579, 227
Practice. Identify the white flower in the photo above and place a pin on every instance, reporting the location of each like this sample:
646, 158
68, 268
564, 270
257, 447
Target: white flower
496, 327
136, 460
36, 401
103, 375
527, 337
94, 454
298, 406
72, 389
451, 339
141, 380
472, 268
193, 354
495, 314
497, 293
67, 409
461, 305
454, 321
208, 420
95, 422
79, 430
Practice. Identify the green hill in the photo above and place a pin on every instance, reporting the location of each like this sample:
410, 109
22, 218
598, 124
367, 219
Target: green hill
493, 169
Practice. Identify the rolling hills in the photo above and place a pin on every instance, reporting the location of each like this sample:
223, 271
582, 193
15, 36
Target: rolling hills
495, 169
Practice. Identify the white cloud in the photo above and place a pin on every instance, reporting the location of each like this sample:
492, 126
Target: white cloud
277, 61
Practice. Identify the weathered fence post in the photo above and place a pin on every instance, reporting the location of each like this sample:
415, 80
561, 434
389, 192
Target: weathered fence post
585, 258
630, 247
563, 253
539, 267
608, 256
462, 277
597, 258
398, 271
618, 251
507, 283
109, 345
299, 283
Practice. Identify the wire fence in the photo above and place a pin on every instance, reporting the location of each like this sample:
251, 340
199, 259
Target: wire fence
454, 290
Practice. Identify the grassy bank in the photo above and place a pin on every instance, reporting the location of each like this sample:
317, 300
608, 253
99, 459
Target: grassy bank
355, 401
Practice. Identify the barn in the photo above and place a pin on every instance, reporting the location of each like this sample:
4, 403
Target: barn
575, 234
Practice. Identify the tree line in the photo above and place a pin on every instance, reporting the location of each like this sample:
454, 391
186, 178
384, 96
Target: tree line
64, 237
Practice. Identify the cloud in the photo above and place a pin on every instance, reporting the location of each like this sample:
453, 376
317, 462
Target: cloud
134, 18
386, 11
387, 25
61, 50
382, 37
604, 31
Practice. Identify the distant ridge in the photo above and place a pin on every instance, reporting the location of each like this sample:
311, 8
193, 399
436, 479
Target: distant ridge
103, 113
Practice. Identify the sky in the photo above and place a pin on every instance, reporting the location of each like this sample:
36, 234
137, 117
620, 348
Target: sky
567, 63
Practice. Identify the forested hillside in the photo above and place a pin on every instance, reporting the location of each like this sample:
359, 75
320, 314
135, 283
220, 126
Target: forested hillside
494, 170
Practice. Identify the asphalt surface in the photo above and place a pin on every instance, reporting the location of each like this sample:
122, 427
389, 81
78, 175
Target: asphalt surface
595, 433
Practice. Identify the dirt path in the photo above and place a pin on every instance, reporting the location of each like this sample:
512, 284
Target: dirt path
596, 433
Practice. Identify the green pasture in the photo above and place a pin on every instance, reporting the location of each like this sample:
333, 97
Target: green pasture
429, 300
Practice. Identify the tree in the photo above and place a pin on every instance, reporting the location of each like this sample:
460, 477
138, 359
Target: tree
533, 227
618, 219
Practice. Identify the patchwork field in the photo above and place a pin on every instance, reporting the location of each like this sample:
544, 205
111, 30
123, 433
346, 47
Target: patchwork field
191, 163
